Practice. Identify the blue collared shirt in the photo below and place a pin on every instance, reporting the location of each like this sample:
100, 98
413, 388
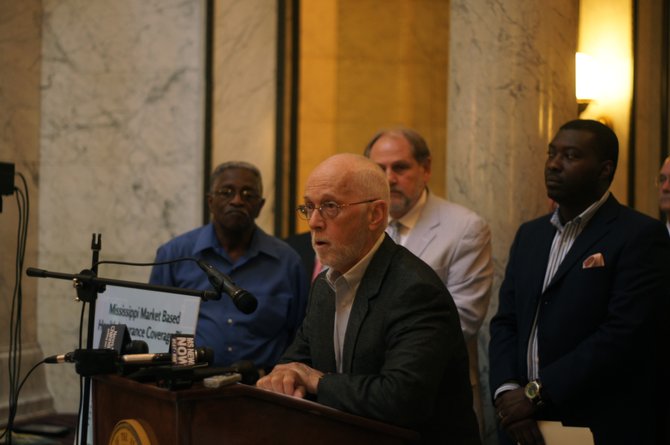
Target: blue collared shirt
270, 270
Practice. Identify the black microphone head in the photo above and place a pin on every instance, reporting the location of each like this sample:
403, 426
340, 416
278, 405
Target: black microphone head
248, 370
34, 272
204, 355
135, 347
245, 302
90, 362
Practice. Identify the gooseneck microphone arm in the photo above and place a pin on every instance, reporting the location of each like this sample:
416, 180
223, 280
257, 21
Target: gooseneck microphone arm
86, 280
242, 299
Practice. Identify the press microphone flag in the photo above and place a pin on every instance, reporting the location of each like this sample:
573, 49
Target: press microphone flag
114, 336
184, 353
117, 338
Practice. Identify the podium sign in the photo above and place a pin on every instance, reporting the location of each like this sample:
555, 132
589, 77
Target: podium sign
149, 315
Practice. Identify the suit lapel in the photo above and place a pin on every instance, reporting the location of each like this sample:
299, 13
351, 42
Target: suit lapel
540, 258
367, 290
325, 324
597, 227
426, 228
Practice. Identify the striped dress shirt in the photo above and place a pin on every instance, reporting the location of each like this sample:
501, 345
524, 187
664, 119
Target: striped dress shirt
565, 236
563, 239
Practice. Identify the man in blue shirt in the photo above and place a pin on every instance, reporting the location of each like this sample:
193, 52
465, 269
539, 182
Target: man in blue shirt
257, 262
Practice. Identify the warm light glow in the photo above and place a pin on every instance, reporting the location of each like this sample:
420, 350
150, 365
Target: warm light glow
614, 77
606, 34
586, 78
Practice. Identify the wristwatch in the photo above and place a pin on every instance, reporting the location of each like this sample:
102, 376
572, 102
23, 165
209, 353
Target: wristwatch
533, 392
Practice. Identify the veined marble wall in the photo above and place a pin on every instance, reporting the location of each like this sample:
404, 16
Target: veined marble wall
245, 65
511, 85
20, 27
121, 148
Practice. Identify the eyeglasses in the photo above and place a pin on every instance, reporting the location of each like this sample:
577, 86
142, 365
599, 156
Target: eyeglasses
328, 209
228, 193
661, 179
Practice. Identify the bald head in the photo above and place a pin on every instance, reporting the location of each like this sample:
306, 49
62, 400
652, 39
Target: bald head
350, 197
354, 176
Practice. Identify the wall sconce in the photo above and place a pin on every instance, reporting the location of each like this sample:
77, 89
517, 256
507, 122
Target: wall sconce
586, 81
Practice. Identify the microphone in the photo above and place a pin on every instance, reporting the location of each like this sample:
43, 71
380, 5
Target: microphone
202, 355
79, 355
105, 361
243, 300
88, 362
60, 358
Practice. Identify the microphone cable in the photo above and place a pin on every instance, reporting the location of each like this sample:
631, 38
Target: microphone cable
159, 263
9, 428
16, 311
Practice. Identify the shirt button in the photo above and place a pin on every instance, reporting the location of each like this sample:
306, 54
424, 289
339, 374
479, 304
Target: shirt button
230, 349
230, 321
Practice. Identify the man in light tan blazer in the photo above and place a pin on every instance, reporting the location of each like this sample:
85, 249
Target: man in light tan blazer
452, 239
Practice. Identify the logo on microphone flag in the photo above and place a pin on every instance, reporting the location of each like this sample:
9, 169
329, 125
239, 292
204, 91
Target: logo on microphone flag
182, 348
114, 336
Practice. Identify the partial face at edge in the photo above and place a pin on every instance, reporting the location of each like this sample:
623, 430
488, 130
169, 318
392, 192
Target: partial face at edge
664, 187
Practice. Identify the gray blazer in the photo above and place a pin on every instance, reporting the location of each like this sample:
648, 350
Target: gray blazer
456, 243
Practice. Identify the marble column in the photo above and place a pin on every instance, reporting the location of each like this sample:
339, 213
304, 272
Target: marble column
245, 66
20, 27
511, 85
121, 148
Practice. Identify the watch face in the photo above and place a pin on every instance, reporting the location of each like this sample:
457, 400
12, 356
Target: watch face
532, 390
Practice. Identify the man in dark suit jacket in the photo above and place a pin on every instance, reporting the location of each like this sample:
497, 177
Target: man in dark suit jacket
302, 243
581, 305
381, 337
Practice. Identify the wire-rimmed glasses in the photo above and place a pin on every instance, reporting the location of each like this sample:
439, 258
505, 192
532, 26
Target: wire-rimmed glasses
327, 209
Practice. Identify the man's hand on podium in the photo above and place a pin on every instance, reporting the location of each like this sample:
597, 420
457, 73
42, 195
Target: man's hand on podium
294, 379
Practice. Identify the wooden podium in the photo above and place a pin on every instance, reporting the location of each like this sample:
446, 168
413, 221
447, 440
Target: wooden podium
234, 414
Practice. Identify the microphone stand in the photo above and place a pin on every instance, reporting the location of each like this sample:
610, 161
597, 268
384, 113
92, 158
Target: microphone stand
88, 286
90, 296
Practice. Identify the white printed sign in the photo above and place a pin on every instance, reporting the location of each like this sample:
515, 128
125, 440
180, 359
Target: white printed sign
150, 316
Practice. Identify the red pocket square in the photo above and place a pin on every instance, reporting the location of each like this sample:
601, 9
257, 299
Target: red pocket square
595, 260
